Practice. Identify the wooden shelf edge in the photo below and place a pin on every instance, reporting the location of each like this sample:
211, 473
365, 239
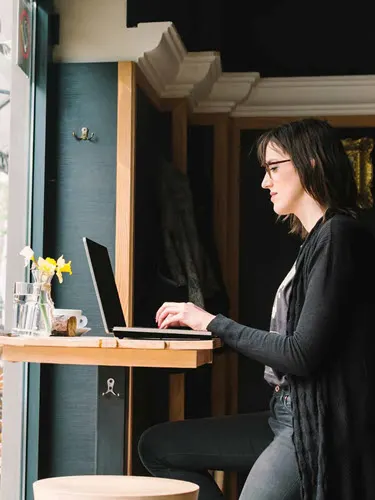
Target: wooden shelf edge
153, 358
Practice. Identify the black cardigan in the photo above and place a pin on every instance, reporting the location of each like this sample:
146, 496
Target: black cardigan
329, 355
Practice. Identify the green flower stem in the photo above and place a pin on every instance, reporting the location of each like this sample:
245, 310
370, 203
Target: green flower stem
42, 306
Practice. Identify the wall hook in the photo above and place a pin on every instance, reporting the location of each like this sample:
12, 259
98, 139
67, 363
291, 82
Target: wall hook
85, 135
110, 386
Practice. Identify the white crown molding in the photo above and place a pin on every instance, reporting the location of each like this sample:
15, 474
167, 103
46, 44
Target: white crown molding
227, 91
310, 96
173, 72
162, 63
197, 74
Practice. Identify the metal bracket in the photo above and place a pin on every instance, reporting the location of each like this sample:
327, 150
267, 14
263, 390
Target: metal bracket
110, 386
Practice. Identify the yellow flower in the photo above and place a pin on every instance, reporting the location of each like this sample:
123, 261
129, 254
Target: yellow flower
67, 268
63, 267
46, 266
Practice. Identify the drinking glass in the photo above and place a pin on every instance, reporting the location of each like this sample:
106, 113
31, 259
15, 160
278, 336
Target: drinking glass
24, 306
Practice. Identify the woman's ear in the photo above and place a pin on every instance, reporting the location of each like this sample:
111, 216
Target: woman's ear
313, 162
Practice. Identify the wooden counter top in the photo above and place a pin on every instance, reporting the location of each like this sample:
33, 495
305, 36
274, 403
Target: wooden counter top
109, 351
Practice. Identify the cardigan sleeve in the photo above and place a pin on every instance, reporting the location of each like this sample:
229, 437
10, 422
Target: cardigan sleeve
331, 281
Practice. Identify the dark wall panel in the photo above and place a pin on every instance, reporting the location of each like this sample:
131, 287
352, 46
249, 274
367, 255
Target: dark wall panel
201, 177
83, 177
152, 287
80, 198
152, 147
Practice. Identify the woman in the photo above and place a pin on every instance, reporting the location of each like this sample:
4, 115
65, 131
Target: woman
317, 443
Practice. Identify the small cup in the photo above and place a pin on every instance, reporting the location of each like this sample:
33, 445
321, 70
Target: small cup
62, 315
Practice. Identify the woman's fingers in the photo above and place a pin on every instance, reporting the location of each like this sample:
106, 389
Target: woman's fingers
161, 309
167, 308
182, 314
172, 320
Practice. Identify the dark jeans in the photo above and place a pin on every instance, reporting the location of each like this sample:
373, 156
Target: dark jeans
260, 442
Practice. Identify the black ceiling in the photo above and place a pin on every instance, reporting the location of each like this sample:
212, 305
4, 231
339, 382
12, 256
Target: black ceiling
275, 38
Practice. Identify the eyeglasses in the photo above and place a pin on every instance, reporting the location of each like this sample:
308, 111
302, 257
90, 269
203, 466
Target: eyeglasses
272, 166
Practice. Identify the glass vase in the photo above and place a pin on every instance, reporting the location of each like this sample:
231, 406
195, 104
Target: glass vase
44, 306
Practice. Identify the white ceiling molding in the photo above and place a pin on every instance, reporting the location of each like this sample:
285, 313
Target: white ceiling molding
174, 72
197, 74
310, 96
227, 91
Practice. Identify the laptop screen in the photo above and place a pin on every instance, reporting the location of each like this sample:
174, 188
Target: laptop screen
104, 284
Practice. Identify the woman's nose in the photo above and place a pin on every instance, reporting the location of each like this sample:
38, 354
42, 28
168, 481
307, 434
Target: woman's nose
267, 181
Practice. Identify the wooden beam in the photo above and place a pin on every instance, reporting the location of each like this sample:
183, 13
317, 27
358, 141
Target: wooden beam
125, 185
233, 218
220, 190
233, 247
205, 118
125, 202
179, 135
176, 396
179, 156
220, 223
226, 225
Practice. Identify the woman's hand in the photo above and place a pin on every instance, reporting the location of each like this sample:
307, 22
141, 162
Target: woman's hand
173, 314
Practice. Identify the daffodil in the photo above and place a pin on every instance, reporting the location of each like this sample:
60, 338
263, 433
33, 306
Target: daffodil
63, 267
28, 255
46, 268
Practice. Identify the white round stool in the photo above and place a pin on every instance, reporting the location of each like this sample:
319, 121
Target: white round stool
114, 488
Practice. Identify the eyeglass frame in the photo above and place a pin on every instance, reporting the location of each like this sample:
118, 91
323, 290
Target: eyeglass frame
276, 162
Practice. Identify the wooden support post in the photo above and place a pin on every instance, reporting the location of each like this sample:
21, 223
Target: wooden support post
125, 202
177, 396
179, 135
220, 222
125, 186
179, 151
233, 252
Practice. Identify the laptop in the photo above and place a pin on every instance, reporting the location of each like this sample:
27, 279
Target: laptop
110, 305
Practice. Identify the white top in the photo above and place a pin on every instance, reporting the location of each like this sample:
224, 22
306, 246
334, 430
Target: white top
113, 488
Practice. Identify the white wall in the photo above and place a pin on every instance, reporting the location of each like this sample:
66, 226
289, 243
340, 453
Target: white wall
6, 17
95, 31
6, 13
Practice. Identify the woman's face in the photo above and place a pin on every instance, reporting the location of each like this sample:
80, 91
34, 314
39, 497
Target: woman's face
281, 178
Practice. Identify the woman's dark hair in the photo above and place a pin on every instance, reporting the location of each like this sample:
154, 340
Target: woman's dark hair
323, 167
